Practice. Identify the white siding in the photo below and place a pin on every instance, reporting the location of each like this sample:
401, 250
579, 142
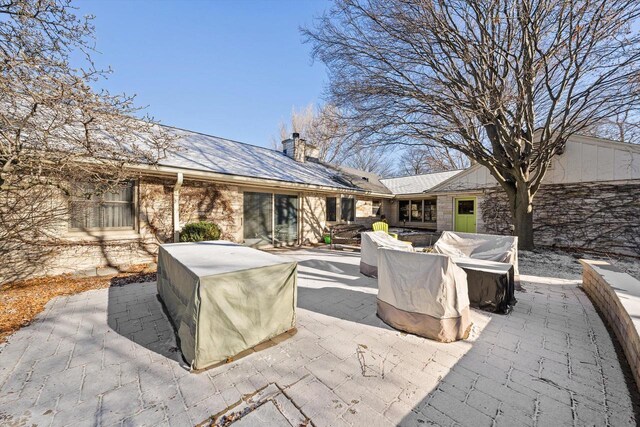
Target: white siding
584, 160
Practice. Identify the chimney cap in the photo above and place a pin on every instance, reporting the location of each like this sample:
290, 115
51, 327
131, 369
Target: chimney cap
295, 135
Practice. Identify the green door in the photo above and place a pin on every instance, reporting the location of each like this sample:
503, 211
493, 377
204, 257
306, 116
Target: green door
465, 215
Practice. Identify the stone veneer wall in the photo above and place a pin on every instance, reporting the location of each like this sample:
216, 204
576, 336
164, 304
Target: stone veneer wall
617, 295
314, 213
87, 251
597, 217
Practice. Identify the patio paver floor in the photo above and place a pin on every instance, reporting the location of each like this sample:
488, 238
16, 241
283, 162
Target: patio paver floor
109, 357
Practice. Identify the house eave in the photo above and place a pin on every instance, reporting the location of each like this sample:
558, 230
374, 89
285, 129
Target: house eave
195, 174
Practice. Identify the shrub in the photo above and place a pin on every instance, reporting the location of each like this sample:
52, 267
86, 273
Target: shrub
200, 231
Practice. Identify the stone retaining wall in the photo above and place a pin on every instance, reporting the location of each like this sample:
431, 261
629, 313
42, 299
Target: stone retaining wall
617, 295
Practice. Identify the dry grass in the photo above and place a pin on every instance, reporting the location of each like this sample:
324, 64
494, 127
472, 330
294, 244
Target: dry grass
20, 302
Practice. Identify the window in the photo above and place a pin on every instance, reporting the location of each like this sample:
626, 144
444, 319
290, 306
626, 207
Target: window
286, 219
348, 209
108, 210
430, 213
403, 210
465, 207
331, 209
416, 210
376, 207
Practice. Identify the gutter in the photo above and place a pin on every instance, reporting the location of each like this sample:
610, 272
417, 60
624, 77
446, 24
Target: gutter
165, 171
176, 206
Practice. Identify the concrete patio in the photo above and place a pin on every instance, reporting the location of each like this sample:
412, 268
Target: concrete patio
109, 357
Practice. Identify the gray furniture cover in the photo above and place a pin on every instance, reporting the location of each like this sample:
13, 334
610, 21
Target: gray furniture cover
491, 284
370, 242
224, 298
424, 294
488, 247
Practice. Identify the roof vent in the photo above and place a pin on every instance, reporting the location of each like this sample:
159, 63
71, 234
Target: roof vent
364, 178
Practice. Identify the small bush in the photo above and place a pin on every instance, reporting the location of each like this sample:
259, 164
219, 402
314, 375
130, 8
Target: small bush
200, 231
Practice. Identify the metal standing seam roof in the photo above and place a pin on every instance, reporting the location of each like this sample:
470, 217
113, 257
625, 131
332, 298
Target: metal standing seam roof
418, 183
214, 154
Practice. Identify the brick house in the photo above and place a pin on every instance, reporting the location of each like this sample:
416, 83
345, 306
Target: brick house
258, 196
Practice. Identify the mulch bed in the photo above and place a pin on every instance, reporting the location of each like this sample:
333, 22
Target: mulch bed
21, 301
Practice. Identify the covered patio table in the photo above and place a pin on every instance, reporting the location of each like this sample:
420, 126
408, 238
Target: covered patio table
224, 298
491, 284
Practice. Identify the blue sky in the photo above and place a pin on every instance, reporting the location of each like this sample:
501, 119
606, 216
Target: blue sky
229, 68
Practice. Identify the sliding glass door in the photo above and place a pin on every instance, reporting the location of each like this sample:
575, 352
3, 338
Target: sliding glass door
258, 219
286, 220
270, 219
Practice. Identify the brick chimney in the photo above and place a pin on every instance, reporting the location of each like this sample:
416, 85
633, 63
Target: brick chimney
299, 149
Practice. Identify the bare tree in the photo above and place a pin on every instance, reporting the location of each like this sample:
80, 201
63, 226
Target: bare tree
417, 160
624, 127
321, 126
372, 159
506, 82
56, 131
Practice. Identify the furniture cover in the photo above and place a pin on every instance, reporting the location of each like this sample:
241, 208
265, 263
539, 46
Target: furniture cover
369, 244
224, 298
488, 247
424, 294
491, 284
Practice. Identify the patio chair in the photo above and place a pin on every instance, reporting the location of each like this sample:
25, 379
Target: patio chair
383, 226
369, 244
486, 247
423, 294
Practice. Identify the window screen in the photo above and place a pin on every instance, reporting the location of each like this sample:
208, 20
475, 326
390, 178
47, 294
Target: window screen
465, 207
430, 213
403, 210
114, 209
331, 209
416, 210
348, 209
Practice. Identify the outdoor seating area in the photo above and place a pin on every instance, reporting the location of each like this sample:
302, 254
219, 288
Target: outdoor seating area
110, 357
488, 264
322, 214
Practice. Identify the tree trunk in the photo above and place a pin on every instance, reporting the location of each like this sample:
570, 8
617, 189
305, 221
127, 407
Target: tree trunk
523, 219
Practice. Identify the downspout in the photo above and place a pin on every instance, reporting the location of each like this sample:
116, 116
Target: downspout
176, 207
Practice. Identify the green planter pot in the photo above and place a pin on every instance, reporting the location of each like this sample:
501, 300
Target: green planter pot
327, 240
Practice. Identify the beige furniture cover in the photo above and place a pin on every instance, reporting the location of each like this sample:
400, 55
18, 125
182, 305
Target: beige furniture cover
224, 298
487, 247
424, 294
369, 244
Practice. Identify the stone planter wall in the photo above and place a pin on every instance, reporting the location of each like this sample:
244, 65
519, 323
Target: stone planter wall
617, 295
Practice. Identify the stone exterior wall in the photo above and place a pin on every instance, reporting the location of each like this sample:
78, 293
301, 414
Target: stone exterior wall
222, 204
67, 250
198, 201
74, 251
314, 209
595, 217
619, 304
